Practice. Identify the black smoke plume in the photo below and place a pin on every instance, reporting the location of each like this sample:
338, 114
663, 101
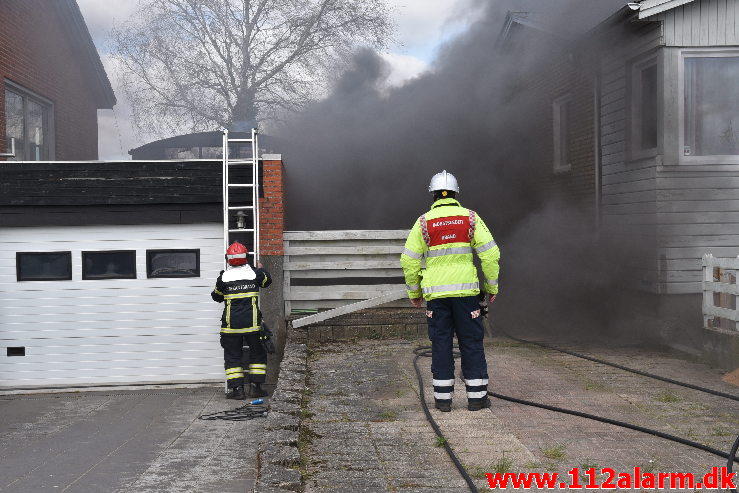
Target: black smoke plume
363, 157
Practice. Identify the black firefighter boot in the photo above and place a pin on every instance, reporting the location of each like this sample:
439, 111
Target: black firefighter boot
256, 390
236, 393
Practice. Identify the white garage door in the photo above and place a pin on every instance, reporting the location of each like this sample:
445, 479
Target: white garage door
108, 330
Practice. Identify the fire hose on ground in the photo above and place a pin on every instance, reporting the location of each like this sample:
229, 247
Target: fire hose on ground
425, 351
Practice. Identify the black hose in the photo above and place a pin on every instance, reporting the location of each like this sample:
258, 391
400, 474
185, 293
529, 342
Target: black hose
615, 422
424, 352
625, 368
244, 413
732, 459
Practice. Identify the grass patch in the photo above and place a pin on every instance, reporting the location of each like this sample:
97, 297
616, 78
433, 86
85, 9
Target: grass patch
595, 386
388, 416
533, 465
668, 396
375, 335
503, 465
477, 472
650, 466
554, 452
439, 441
718, 432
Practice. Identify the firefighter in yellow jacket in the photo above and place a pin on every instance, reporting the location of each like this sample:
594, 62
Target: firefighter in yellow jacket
445, 237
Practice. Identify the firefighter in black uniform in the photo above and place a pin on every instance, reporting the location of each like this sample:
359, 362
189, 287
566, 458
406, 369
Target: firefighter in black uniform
239, 287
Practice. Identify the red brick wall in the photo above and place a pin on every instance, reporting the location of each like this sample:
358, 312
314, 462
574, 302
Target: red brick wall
272, 208
37, 52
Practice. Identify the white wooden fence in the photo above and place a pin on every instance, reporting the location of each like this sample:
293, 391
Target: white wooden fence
719, 292
340, 261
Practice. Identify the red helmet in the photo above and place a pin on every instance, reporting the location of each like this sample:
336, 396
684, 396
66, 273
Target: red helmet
236, 254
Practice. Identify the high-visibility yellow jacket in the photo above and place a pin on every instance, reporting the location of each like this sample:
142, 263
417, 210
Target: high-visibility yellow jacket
445, 237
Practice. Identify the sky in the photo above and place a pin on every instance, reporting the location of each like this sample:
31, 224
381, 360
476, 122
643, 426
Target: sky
422, 27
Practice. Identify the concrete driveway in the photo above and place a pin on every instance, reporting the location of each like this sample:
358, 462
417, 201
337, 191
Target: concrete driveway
125, 440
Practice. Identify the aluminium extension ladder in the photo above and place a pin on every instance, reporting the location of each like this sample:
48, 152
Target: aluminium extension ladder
241, 193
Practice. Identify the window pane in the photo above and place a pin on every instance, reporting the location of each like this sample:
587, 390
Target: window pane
564, 133
109, 265
44, 266
711, 106
181, 152
173, 263
212, 152
649, 107
14, 122
36, 134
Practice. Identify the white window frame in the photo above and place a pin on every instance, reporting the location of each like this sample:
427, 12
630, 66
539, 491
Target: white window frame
560, 137
698, 53
635, 125
27, 93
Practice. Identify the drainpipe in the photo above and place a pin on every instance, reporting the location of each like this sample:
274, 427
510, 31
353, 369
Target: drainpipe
596, 143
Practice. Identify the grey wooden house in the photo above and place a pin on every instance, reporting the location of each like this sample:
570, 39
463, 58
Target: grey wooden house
655, 91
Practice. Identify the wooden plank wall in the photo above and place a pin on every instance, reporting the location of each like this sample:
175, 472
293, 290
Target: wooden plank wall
697, 214
327, 257
110, 331
628, 188
697, 206
702, 23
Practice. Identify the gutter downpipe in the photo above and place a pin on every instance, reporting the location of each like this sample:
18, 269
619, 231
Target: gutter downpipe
596, 150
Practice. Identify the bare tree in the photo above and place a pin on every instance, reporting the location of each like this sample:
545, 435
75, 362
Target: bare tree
202, 64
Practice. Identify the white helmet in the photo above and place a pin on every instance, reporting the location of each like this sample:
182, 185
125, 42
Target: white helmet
443, 181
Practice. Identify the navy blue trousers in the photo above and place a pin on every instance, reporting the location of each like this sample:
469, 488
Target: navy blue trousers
447, 317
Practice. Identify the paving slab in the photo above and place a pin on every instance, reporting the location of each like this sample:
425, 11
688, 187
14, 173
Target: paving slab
366, 430
124, 441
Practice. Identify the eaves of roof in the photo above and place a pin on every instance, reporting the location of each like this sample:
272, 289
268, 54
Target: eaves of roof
90, 183
648, 8
527, 19
70, 13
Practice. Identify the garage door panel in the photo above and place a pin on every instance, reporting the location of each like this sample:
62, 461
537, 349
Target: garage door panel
105, 317
72, 378
118, 331
49, 350
173, 339
118, 361
146, 303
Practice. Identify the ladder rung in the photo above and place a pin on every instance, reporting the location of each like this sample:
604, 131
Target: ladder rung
239, 140
240, 185
241, 162
241, 208
240, 230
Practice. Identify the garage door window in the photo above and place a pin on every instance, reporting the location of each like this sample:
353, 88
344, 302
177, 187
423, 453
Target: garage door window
47, 266
109, 265
173, 263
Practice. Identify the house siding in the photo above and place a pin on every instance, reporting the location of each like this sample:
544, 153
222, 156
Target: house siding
702, 23
38, 53
697, 205
628, 186
561, 74
697, 213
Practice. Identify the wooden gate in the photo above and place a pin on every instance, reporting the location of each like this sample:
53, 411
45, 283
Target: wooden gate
329, 269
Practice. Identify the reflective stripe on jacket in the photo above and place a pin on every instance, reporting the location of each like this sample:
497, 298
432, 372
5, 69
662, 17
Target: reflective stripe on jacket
445, 237
240, 291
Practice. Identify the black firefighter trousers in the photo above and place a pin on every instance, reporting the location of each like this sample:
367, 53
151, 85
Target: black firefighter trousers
458, 316
235, 358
